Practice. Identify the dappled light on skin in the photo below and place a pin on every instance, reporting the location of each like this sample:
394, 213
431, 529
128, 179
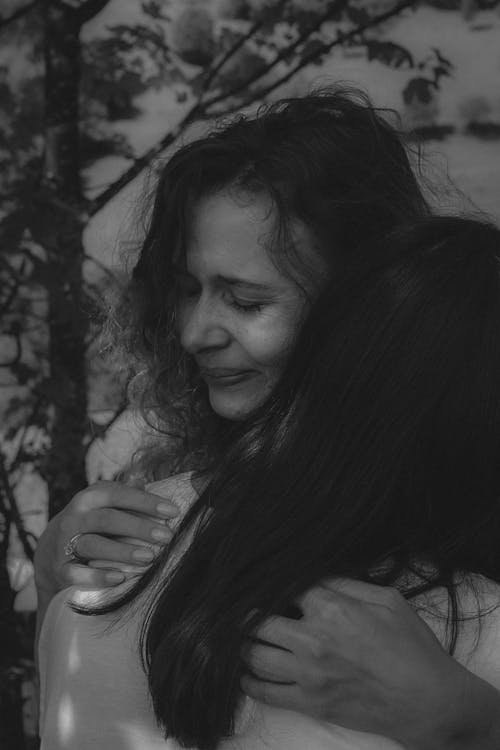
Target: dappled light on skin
133, 737
74, 655
66, 719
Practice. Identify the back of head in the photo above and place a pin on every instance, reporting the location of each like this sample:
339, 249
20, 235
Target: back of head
396, 398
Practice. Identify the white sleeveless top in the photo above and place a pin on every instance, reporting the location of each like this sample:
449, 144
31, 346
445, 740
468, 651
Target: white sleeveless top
94, 693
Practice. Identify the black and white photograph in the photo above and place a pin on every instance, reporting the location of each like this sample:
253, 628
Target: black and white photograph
249, 374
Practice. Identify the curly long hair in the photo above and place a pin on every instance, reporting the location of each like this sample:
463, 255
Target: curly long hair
330, 160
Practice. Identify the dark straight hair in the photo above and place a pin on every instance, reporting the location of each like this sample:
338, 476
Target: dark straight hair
376, 457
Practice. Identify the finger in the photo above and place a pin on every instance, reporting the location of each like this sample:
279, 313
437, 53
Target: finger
322, 602
271, 664
369, 593
85, 577
280, 632
117, 495
94, 547
111, 521
332, 604
280, 696
113, 565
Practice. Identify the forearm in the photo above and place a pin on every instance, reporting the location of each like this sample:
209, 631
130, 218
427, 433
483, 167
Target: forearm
471, 723
480, 710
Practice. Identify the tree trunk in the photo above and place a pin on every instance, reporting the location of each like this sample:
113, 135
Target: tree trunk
64, 468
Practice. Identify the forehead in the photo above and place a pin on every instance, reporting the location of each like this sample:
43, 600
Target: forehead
231, 233
228, 234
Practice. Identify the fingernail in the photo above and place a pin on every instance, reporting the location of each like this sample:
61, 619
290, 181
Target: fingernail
163, 535
167, 510
114, 577
143, 554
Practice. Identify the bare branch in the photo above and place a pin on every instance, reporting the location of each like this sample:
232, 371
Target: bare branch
12, 294
333, 9
19, 13
8, 492
27, 423
212, 72
100, 430
341, 38
142, 162
199, 110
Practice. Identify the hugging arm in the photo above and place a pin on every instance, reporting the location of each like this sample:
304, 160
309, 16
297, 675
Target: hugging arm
120, 529
362, 658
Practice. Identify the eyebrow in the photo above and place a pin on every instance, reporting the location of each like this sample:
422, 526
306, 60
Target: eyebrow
231, 281
254, 285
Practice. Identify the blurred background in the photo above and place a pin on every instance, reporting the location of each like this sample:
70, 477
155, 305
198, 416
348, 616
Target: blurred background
93, 96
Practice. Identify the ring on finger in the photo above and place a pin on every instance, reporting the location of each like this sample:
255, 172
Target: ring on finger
71, 552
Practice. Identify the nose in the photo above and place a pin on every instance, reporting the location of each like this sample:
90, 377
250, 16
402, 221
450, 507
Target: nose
201, 326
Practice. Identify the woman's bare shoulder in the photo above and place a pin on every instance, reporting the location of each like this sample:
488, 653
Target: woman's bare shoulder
179, 488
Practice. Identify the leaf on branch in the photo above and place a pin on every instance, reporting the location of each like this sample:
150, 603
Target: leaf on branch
389, 53
154, 9
441, 71
23, 372
443, 60
129, 38
419, 89
240, 68
96, 145
192, 35
357, 15
312, 48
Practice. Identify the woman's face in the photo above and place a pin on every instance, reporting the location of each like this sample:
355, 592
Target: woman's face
238, 314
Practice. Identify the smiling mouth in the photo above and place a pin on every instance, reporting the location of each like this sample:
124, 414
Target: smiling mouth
220, 376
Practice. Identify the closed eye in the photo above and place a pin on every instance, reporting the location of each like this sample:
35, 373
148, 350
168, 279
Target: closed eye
247, 307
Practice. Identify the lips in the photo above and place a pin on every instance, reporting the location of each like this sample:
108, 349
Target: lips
224, 375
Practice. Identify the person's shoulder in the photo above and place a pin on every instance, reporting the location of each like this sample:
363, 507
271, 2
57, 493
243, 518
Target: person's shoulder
478, 611
179, 488
477, 644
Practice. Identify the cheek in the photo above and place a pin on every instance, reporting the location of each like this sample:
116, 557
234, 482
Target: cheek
269, 343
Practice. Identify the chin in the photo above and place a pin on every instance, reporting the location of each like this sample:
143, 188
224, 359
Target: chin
234, 409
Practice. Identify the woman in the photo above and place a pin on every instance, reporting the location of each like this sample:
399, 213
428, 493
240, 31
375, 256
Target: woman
329, 161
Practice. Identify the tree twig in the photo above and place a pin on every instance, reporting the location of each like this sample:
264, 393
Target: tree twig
100, 430
317, 53
27, 423
24, 535
12, 293
19, 13
211, 73
333, 8
142, 162
199, 110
